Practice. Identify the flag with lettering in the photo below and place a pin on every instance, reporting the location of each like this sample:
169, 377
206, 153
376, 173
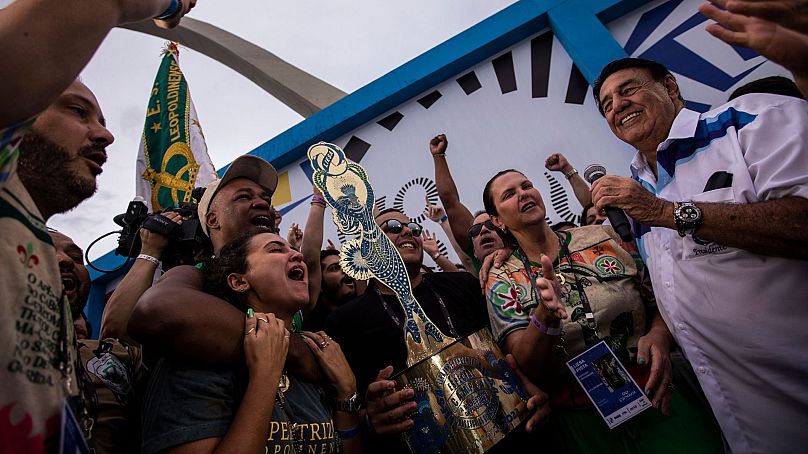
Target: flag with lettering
173, 157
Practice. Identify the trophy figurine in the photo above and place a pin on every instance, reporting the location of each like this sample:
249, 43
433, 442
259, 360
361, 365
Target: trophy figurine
468, 398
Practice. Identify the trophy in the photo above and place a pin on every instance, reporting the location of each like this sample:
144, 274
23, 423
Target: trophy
467, 397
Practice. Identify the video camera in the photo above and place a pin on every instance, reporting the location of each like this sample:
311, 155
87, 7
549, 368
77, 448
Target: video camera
187, 243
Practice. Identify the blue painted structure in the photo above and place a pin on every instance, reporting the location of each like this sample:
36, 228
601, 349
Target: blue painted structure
578, 25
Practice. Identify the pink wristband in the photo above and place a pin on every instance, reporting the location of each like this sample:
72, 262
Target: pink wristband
318, 199
544, 328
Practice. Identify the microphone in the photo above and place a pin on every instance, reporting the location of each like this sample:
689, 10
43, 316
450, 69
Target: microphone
616, 216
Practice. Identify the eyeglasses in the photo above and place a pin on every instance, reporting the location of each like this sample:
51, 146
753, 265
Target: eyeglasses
475, 229
395, 226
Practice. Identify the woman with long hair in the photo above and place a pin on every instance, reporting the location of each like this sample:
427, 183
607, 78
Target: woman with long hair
258, 406
559, 294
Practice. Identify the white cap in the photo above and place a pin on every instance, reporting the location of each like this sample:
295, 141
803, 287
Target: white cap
247, 166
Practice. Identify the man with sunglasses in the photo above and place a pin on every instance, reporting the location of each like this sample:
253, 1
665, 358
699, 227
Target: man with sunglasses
484, 237
370, 333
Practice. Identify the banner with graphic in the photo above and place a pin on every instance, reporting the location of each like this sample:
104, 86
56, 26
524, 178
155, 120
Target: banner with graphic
513, 109
173, 157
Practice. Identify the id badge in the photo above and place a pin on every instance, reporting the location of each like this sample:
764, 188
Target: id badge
608, 385
71, 438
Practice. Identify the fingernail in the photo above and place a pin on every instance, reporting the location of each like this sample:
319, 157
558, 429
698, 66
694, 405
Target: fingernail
640, 361
250, 313
647, 392
409, 392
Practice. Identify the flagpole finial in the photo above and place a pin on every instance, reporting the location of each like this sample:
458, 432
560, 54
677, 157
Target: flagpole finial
171, 47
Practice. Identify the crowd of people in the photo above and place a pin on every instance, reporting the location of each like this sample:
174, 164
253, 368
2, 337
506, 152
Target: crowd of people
267, 345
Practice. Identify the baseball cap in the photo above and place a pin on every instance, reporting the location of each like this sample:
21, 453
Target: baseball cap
247, 166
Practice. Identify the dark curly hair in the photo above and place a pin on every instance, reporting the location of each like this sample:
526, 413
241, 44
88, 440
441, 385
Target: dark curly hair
232, 258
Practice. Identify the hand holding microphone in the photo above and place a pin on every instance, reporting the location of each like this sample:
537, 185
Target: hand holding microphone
617, 217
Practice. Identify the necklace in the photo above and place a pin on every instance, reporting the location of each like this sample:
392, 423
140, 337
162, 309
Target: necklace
295, 429
284, 383
442, 305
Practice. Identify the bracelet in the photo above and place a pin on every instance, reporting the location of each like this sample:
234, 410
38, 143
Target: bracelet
544, 328
443, 219
149, 258
571, 173
442, 155
347, 434
316, 198
435, 257
172, 10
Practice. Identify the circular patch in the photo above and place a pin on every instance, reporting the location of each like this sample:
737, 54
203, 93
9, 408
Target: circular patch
609, 265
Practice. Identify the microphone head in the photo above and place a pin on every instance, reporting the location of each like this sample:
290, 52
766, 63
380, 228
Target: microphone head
593, 172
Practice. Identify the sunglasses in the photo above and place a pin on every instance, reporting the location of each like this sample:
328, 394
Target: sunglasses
475, 229
394, 226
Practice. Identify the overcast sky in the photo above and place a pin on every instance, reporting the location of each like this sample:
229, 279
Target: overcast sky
345, 43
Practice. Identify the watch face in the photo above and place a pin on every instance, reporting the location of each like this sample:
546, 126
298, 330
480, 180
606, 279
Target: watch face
689, 213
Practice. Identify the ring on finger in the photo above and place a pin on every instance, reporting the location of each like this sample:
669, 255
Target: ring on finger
323, 345
250, 331
263, 319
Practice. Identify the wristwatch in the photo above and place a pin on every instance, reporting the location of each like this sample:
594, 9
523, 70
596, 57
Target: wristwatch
349, 405
687, 217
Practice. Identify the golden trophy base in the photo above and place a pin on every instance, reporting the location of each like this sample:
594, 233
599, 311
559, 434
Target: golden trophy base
468, 398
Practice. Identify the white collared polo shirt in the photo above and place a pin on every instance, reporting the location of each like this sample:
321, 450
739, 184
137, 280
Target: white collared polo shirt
741, 318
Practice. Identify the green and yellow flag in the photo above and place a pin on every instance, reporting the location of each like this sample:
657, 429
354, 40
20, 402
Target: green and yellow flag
173, 157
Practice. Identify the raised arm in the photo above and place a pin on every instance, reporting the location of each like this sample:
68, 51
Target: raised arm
139, 278
430, 245
460, 217
556, 162
312, 244
46, 43
438, 215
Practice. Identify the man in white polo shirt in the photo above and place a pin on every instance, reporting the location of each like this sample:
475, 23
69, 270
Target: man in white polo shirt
720, 208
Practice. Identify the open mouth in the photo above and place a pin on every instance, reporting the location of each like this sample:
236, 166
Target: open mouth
407, 245
627, 119
527, 206
347, 280
486, 240
297, 273
263, 220
70, 286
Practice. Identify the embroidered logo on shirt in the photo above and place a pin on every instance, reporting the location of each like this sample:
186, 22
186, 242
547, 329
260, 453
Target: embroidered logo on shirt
609, 265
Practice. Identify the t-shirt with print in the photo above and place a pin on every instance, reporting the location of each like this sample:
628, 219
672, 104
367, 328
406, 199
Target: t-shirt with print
33, 317
185, 404
609, 277
115, 372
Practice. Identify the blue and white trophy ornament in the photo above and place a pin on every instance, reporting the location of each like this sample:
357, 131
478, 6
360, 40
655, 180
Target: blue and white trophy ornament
468, 398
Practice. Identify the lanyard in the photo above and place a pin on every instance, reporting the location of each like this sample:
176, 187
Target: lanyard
67, 366
588, 314
443, 309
